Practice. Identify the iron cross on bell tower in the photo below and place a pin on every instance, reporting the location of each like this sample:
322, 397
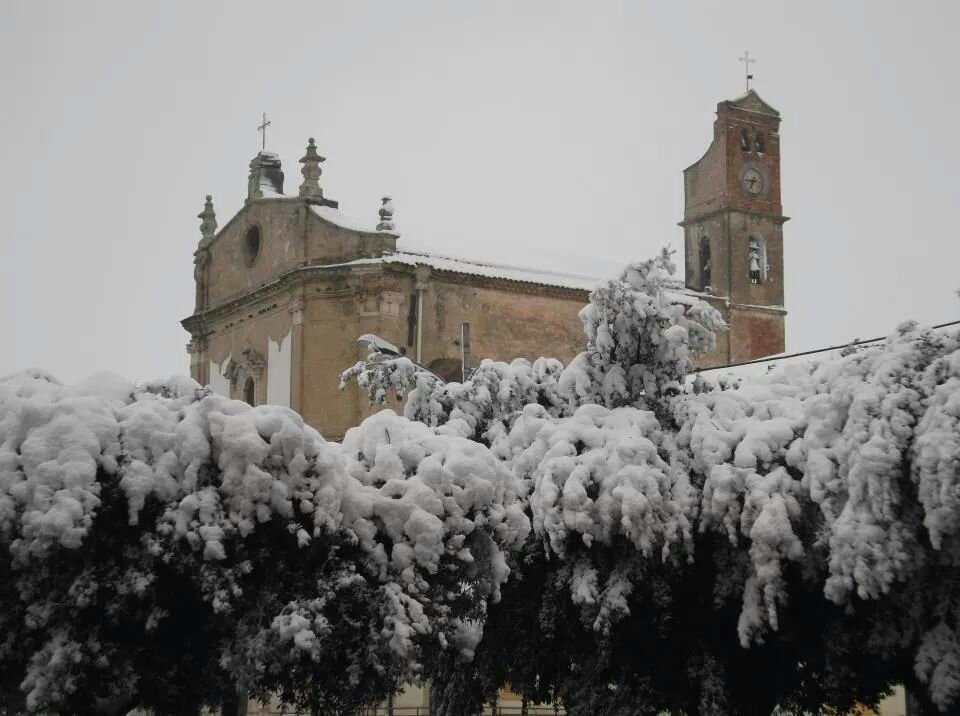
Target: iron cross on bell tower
262, 128
746, 60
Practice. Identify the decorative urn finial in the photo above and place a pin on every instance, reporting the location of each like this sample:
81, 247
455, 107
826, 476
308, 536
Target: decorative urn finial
386, 215
208, 221
311, 171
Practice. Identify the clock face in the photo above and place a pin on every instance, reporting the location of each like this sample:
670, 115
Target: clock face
752, 182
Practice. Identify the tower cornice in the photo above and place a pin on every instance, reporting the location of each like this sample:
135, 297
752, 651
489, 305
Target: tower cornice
697, 218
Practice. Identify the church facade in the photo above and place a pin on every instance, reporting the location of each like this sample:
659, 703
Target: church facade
288, 284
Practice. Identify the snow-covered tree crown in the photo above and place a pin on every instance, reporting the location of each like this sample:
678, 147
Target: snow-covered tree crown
641, 338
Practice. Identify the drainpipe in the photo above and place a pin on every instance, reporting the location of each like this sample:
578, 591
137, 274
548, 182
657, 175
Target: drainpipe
464, 351
729, 235
419, 324
423, 276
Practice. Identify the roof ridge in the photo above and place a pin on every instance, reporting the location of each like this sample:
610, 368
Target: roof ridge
491, 264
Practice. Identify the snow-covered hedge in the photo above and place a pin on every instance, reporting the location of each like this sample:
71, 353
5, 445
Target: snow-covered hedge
840, 478
160, 544
792, 540
823, 493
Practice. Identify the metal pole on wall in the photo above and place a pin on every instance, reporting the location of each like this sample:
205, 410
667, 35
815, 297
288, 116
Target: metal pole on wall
421, 284
419, 325
464, 350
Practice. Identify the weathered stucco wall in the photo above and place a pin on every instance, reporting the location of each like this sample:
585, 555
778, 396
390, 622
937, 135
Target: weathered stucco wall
330, 243
231, 272
244, 337
506, 322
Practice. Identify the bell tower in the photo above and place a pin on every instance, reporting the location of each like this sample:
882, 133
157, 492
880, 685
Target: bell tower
733, 229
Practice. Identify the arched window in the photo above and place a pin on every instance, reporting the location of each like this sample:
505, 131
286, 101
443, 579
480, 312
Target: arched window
249, 393
705, 263
758, 142
757, 260
745, 139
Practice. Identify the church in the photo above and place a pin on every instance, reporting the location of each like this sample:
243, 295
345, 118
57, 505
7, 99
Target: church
288, 284
286, 287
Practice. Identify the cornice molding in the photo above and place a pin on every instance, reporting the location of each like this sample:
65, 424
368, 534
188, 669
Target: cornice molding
747, 307
776, 218
199, 323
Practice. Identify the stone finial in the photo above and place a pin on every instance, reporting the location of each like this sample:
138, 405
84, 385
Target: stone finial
208, 221
311, 171
266, 175
386, 215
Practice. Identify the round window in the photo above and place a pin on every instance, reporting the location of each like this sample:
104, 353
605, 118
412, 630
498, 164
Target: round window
251, 244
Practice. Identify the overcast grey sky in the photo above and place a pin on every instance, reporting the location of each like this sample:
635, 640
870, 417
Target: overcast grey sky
535, 133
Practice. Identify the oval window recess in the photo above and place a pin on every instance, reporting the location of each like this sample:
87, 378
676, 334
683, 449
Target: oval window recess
251, 244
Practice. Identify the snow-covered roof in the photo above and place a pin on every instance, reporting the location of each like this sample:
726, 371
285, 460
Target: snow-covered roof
493, 270
327, 213
471, 267
520, 274
335, 217
478, 268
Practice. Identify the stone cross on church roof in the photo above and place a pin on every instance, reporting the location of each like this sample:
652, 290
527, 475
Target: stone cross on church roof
262, 128
746, 60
